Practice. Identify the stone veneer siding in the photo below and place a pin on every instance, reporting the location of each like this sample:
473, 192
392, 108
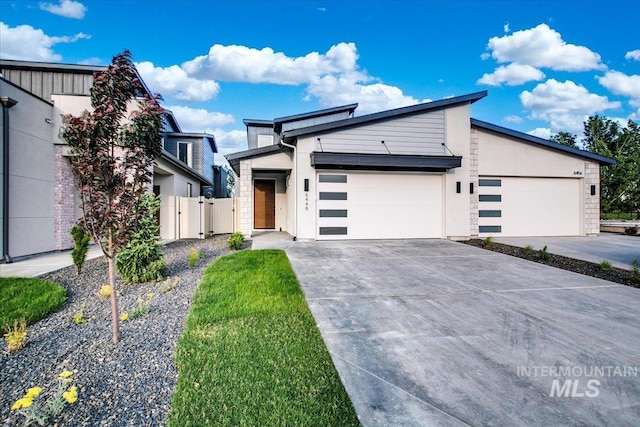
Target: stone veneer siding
473, 179
245, 198
591, 203
64, 201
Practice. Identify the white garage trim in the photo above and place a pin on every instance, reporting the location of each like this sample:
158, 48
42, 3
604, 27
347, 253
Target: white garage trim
527, 206
379, 205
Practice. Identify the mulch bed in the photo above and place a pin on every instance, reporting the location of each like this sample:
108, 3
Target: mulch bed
614, 274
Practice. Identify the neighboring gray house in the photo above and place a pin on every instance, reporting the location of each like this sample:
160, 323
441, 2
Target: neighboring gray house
39, 200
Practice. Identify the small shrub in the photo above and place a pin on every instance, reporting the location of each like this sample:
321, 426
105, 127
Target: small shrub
170, 284
235, 242
528, 249
631, 231
544, 255
78, 317
39, 413
142, 260
636, 270
142, 309
16, 336
81, 247
486, 243
104, 292
605, 265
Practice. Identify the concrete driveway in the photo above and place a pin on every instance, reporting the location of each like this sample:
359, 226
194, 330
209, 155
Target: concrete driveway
434, 332
620, 250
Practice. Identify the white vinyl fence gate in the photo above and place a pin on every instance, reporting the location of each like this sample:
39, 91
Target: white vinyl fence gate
199, 217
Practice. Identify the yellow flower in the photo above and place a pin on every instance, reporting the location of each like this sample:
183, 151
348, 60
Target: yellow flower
150, 295
25, 402
71, 395
123, 317
33, 392
66, 374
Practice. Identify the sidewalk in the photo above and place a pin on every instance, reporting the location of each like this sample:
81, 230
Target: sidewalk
39, 265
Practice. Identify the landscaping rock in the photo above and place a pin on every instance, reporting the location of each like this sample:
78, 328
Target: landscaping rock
128, 384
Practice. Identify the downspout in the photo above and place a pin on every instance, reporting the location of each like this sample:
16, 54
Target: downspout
295, 188
6, 104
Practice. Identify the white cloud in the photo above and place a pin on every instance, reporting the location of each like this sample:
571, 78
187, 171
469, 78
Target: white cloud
544, 133
506, 28
30, 44
512, 75
543, 47
621, 84
350, 88
67, 8
244, 64
173, 82
198, 119
633, 55
228, 142
564, 105
513, 119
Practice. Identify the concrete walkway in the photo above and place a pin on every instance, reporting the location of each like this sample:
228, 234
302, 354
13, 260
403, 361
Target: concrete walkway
39, 265
434, 332
620, 250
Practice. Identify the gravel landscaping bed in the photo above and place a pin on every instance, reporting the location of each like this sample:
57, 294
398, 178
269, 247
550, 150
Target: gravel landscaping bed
613, 274
128, 384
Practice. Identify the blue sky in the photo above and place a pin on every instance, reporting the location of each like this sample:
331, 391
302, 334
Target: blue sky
547, 65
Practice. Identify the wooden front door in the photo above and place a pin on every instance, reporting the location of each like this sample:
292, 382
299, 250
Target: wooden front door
264, 204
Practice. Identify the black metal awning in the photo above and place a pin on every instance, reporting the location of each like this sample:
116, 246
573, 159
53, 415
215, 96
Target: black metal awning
384, 162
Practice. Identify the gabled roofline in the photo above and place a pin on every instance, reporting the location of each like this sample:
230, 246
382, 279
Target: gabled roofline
10, 83
165, 155
383, 115
602, 160
234, 158
63, 68
257, 122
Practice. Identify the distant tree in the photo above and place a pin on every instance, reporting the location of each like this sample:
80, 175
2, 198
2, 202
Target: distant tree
620, 186
565, 138
112, 160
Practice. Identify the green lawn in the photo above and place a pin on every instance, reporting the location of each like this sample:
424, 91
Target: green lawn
29, 298
251, 354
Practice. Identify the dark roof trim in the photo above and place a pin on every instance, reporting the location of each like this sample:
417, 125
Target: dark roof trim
165, 155
50, 66
258, 123
398, 112
208, 136
234, 158
318, 113
603, 161
384, 162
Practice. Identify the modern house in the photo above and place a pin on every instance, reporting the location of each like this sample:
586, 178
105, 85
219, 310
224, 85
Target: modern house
40, 203
423, 171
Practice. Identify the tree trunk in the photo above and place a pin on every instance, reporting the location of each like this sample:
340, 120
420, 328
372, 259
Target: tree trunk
115, 325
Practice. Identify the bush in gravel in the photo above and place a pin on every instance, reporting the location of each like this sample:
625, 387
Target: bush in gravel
528, 249
194, 255
104, 292
16, 336
78, 317
605, 265
142, 260
80, 248
142, 309
235, 241
544, 255
486, 243
35, 412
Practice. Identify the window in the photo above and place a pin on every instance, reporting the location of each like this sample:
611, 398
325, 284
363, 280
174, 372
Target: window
265, 140
185, 153
189, 189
